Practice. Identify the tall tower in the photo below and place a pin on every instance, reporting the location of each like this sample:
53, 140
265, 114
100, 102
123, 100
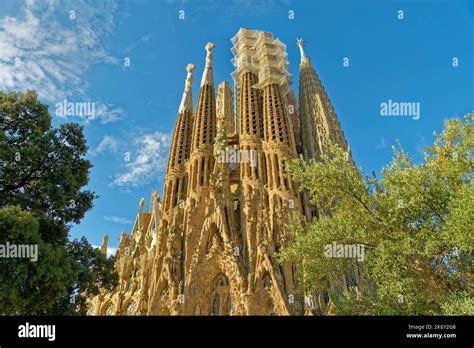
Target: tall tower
320, 128
168, 262
175, 185
201, 162
263, 84
278, 146
250, 121
319, 124
204, 132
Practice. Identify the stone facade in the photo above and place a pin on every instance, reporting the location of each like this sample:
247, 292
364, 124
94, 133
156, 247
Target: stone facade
208, 248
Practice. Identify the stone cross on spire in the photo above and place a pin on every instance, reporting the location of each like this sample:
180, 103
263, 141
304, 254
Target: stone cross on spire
187, 99
300, 44
207, 75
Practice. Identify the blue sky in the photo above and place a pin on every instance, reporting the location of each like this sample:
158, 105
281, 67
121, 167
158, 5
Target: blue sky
80, 56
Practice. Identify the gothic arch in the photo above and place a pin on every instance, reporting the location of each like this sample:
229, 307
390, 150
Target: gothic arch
267, 281
220, 296
197, 310
131, 308
108, 308
265, 288
211, 235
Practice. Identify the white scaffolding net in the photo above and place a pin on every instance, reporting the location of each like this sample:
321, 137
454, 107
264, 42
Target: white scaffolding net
260, 53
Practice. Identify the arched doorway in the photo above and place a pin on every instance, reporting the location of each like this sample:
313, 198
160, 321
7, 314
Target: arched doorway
220, 297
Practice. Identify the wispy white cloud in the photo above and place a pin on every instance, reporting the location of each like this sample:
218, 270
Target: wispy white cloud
108, 144
147, 160
108, 113
144, 39
118, 220
48, 48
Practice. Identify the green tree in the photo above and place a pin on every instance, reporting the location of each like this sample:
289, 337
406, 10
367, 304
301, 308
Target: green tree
43, 167
92, 271
416, 225
28, 287
42, 173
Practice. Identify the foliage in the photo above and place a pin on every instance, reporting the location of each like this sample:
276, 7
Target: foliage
42, 173
28, 287
220, 140
416, 225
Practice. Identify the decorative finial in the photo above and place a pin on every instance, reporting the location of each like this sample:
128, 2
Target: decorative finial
207, 75
190, 67
156, 196
209, 48
189, 79
187, 99
124, 233
300, 44
142, 202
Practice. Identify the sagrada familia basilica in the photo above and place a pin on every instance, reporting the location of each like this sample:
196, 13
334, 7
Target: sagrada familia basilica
208, 247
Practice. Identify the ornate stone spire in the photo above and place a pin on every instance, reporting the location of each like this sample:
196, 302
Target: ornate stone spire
320, 126
156, 196
300, 44
103, 247
140, 214
123, 238
208, 75
187, 100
